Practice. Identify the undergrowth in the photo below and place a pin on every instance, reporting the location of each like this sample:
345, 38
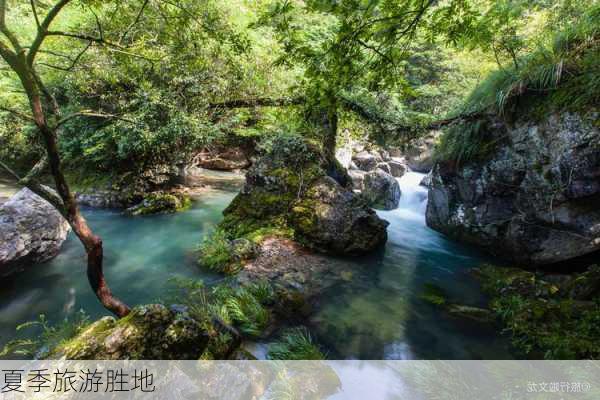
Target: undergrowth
45, 336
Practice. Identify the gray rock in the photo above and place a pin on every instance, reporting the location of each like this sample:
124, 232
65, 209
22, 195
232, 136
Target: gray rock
31, 230
534, 200
358, 179
384, 167
397, 169
366, 161
385, 155
333, 219
419, 152
426, 181
381, 190
223, 159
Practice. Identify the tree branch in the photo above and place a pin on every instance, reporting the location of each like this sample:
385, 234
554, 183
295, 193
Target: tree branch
259, 102
4, 29
43, 30
35, 14
30, 182
18, 114
134, 23
84, 37
90, 113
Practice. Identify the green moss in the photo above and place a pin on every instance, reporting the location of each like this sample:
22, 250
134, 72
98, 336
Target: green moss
156, 203
546, 316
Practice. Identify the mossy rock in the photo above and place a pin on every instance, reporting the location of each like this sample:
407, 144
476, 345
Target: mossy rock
289, 190
158, 203
148, 332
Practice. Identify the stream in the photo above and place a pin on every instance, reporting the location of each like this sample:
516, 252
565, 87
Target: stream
377, 314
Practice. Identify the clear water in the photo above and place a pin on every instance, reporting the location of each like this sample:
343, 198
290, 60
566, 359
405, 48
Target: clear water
377, 315
380, 314
142, 254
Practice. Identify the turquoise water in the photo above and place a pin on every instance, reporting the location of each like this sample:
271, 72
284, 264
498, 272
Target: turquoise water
141, 255
378, 314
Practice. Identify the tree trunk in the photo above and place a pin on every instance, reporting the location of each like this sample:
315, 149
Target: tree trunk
91, 242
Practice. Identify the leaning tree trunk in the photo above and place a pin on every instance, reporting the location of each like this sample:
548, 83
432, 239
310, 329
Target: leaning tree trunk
70, 210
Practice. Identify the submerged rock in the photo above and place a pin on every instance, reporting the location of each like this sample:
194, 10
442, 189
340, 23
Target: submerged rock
31, 230
534, 199
381, 190
150, 332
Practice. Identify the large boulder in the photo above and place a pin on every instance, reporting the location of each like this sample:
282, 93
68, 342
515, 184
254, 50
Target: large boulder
223, 158
358, 178
150, 332
292, 187
397, 168
366, 161
381, 190
31, 230
534, 197
333, 219
419, 152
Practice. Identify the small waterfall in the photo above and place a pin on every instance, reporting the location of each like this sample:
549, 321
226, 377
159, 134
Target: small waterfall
413, 201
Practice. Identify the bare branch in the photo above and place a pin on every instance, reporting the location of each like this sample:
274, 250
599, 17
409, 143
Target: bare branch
90, 113
17, 113
35, 14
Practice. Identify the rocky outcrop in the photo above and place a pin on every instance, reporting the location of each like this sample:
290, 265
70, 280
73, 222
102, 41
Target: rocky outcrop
374, 176
419, 152
223, 158
333, 219
31, 230
381, 190
366, 161
131, 189
397, 168
150, 332
534, 199
289, 188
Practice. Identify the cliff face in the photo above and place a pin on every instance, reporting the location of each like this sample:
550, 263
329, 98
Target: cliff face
535, 199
